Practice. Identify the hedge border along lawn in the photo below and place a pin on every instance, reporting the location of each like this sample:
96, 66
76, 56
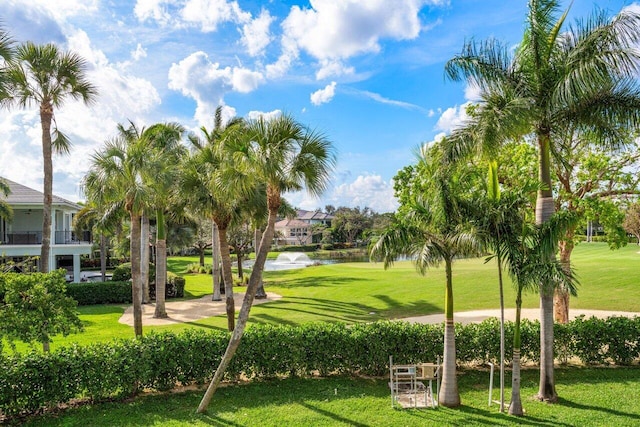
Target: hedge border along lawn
589, 397
160, 362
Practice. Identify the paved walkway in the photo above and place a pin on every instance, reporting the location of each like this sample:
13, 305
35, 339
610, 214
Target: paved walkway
478, 316
196, 309
190, 310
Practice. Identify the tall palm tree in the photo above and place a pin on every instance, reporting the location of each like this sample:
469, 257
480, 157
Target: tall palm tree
430, 228
582, 75
215, 193
116, 178
165, 154
45, 76
285, 156
529, 253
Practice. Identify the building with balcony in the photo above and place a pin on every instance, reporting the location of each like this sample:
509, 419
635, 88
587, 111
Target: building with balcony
22, 236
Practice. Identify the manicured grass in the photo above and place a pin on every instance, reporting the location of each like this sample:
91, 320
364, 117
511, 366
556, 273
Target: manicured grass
589, 397
364, 292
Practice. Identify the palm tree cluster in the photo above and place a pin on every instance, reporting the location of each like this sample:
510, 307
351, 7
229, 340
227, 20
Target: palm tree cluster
560, 80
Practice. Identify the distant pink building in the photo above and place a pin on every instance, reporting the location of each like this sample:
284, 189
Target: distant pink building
299, 231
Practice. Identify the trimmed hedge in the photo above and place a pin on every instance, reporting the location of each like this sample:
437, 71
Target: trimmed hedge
163, 360
110, 292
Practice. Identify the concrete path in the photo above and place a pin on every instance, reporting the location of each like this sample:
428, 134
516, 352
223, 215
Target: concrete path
189, 310
478, 316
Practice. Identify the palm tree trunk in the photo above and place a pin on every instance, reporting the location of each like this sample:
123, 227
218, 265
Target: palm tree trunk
544, 210
161, 266
260, 293
228, 278
243, 317
144, 259
449, 395
515, 408
215, 255
501, 285
103, 256
561, 296
46, 115
136, 285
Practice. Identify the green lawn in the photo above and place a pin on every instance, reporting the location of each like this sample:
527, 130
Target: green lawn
363, 292
589, 397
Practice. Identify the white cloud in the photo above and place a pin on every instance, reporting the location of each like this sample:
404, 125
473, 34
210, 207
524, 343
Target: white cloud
322, 96
332, 31
61, 10
153, 10
366, 190
333, 68
205, 14
255, 34
244, 80
198, 78
208, 14
472, 93
255, 115
139, 53
453, 118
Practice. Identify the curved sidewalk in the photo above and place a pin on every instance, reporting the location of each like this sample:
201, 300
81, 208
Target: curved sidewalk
477, 316
189, 310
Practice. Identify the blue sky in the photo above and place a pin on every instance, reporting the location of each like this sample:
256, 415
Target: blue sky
367, 73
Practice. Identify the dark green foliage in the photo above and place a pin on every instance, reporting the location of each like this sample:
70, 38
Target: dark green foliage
113, 292
298, 248
160, 361
174, 287
123, 272
110, 292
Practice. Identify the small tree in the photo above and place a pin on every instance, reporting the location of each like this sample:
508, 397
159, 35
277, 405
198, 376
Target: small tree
631, 222
35, 307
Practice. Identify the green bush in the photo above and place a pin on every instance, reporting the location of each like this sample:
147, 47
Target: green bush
160, 361
110, 292
173, 289
123, 272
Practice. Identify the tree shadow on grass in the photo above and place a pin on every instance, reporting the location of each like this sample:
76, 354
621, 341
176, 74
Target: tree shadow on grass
306, 282
608, 411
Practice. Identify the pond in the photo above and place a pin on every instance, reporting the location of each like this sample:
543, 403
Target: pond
293, 260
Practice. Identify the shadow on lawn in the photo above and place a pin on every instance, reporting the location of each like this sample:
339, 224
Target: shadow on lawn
607, 411
306, 282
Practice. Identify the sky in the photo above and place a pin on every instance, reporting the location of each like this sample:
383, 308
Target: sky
368, 74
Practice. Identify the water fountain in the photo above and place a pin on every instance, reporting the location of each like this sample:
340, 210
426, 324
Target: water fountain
293, 258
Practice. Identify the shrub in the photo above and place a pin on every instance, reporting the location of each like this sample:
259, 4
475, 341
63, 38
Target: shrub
110, 292
123, 272
174, 287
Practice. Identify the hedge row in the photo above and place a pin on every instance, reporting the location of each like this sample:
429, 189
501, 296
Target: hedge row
162, 361
119, 292
110, 292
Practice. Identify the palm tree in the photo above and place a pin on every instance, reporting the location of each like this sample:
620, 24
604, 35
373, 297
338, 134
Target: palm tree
116, 179
285, 156
429, 227
165, 153
529, 253
103, 222
5, 210
45, 76
7, 51
216, 194
581, 76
